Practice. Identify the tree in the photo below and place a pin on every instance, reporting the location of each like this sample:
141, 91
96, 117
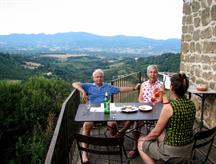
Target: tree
28, 114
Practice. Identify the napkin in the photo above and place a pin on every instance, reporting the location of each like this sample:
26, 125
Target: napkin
96, 109
101, 108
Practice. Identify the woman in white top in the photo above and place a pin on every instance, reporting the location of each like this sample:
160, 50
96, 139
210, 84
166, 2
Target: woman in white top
149, 93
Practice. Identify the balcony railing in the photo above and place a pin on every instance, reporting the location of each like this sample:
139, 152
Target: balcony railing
62, 147
126, 81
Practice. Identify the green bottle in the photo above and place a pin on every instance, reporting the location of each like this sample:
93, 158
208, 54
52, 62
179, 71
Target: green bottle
106, 104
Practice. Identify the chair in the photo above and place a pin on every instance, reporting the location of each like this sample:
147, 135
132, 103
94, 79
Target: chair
201, 139
101, 145
148, 125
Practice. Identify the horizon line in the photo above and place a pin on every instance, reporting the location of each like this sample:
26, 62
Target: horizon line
44, 33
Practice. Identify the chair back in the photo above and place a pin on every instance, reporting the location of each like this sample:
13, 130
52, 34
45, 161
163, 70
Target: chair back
100, 145
203, 138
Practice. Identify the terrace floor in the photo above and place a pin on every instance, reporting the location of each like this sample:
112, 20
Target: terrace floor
128, 143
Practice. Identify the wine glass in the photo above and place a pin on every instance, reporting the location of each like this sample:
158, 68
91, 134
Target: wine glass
88, 104
153, 99
156, 93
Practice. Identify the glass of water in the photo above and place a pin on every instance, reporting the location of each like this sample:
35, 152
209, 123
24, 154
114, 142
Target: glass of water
113, 113
88, 103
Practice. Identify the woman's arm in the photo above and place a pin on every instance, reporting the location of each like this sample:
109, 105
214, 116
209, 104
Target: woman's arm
128, 89
164, 97
166, 113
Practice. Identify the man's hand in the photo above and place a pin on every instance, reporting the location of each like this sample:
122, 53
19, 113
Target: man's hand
137, 87
85, 97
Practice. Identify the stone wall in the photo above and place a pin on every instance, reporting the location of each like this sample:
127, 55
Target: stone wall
198, 51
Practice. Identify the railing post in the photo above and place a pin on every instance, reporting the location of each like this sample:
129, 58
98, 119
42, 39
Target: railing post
112, 97
140, 77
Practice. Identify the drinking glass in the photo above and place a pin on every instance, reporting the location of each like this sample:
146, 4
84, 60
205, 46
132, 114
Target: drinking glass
153, 99
157, 93
88, 103
113, 113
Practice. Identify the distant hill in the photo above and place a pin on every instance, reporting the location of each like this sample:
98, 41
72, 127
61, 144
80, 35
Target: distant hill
80, 42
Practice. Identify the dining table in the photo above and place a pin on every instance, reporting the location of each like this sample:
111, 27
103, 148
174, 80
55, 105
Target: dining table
96, 112
203, 95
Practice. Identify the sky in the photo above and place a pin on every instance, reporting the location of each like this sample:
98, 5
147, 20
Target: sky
158, 19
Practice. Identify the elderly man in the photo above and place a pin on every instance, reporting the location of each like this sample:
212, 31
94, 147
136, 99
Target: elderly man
95, 93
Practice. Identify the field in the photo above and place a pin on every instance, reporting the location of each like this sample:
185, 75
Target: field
64, 56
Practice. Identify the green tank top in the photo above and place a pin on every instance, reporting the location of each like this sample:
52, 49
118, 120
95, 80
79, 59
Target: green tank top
179, 130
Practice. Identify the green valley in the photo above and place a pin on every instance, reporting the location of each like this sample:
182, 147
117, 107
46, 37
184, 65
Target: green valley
79, 67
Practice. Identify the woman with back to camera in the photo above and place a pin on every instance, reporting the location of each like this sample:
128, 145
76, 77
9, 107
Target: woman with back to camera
177, 117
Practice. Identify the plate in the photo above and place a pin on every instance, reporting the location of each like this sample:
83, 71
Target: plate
129, 109
145, 108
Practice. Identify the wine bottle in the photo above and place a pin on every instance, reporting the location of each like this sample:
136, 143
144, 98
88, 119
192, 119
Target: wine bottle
106, 104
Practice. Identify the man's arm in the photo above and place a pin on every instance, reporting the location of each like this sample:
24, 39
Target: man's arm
129, 89
77, 85
140, 98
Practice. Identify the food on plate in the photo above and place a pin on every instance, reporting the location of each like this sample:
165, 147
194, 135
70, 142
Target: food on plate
145, 108
129, 108
142, 107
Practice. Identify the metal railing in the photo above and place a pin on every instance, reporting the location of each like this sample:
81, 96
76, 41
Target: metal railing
126, 81
61, 149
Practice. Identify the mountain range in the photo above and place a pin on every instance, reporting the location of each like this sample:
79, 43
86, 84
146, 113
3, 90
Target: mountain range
86, 43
